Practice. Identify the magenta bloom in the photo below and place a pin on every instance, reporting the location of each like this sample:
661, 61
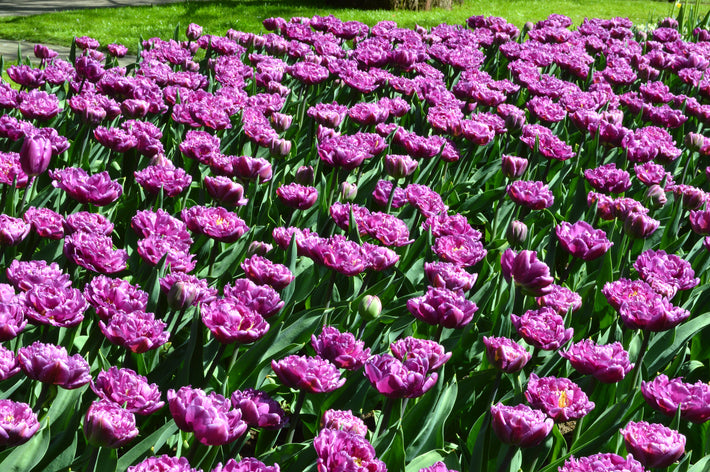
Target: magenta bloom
109, 296
640, 225
561, 299
543, 328
700, 221
45, 222
215, 222
172, 180
23, 275
95, 252
12, 230
665, 273
608, 462
232, 322
449, 275
528, 273
429, 353
35, 154
607, 363
192, 290
339, 450
653, 314
88, 223
344, 420
51, 364
226, 191
263, 299
210, 416
163, 463
55, 305
654, 445
459, 249
106, 424
560, 398
97, 189
342, 349
513, 167
312, 374
505, 354
247, 464
582, 240
441, 306
530, 194
396, 379
520, 425
259, 409
297, 196
18, 423
608, 179
138, 331
262, 271
8, 363
620, 291
667, 395
125, 387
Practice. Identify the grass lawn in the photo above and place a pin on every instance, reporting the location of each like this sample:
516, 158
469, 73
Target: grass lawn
127, 25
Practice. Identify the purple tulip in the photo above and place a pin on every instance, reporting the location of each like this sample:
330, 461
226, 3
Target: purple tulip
544, 328
330, 115
137, 331
126, 388
247, 464
106, 424
11, 173
225, 191
516, 233
190, 291
463, 250
450, 276
505, 354
163, 463
520, 425
109, 296
194, 31
450, 225
396, 379
530, 194
437, 467
444, 307
51, 364
700, 221
608, 179
232, 322
297, 196
18, 423
654, 445
340, 450
209, 416
423, 198
655, 313
665, 273
528, 273
170, 179
59, 306
262, 271
582, 240
560, 398
561, 299
117, 50
35, 154
259, 409
178, 259
95, 252
24, 275
400, 165
425, 351
45, 222
215, 222
12, 230
609, 462
248, 168
342, 349
343, 420
607, 363
262, 299
513, 167
86, 222
640, 225
311, 374
97, 189
667, 396
9, 365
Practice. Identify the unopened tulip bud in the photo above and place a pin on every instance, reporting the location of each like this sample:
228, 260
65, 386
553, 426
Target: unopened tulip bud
281, 121
280, 147
348, 191
656, 196
258, 248
513, 167
370, 307
400, 165
181, 295
694, 141
35, 155
194, 31
304, 175
517, 233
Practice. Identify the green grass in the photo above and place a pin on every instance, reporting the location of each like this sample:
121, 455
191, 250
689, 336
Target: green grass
127, 25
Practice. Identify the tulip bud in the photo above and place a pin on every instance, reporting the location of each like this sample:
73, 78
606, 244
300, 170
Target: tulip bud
181, 295
304, 175
370, 307
694, 141
194, 31
348, 191
281, 121
517, 233
513, 167
35, 155
640, 225
400, 165
280, 147
656, 196
258, 248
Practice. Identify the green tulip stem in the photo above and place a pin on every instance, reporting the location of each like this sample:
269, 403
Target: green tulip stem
384, 418
505, 465
215, 361
232, 362
26, 197
294, 415
639, 360
391, 197
93, 458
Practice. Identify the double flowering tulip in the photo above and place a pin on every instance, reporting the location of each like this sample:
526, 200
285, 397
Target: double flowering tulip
232, 322
106, 424
344, 420
665, 273
52, 364
667, 395
607, 363
505, 354
247, 464
342, 349
339, 450
582, 240
126, 388
654, 445
528, 273
560, 398
259, 409
443, 307
163, 463
18, 423
520, 425
394, 378
310, 374
608, 462
544, 328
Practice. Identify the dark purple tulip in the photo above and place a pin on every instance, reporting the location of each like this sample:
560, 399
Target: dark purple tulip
449, 275
247, 464
656, 196
137, 331
343, 420
304, 175
225, 191
109, 296
505, 354
310, 374
215, 222
18, 423
45, 222
127, 389
608, 462
560, 398
653, 314
444, 307
97, 189
608, 179
543, 328
520, 425
654, 445
342, 349
700, 221
341, 450
263, 299
516, 233
531, 275
640, 225
210, 416
262, 271
9, 365
513, 166
94, 252
426, 351
12, 230
232, 322
194, 31
665, 273
607, 363
297, 196
530, 194
259, 409
51, 364
170, 179
582, 240
396, 379
35, 154
106, 424
667, 396
163, 463
192, 290
49, 304
400, 166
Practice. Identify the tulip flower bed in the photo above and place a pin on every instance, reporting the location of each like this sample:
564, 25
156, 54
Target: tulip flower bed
333, 247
